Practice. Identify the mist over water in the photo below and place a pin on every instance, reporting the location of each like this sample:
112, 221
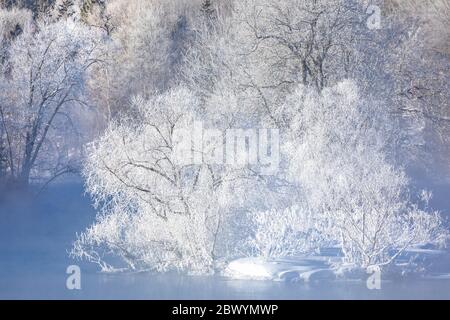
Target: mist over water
37, 234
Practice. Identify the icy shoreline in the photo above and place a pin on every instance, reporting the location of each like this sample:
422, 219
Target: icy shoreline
318, 268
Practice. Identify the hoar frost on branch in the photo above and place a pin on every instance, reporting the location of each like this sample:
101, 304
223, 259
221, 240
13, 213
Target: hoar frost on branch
41, 85
340, 158
156, 213
253, 64
159, 215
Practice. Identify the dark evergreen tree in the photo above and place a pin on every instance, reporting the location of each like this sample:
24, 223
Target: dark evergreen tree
207, 9
38, 7
87, 7
64, 8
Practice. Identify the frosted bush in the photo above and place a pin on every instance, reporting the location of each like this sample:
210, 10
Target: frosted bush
282, 233
154, 213
340, 157
145, 242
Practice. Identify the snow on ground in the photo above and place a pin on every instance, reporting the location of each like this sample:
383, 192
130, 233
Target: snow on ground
326, 268
292, 269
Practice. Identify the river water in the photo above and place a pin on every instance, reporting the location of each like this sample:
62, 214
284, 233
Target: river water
34, 239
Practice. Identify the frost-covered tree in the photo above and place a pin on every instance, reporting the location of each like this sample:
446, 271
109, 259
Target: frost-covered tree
264, 49
420, 77
38, 8
12, 23
63, 9
41, 86
293, 231
145, 49
341, 160
244, 68
158, 211
155, 213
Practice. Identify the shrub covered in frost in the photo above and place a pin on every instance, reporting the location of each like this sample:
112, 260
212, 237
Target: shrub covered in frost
340, 157
282, 233
159, 214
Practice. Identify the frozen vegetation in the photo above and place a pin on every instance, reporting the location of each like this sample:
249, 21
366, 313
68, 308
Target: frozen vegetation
292, 140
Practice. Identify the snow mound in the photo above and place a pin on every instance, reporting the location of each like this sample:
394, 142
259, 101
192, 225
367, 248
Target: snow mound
295, 269
329, 266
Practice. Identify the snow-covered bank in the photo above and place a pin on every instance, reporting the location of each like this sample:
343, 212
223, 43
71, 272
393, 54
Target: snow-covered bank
281, 269
330, 267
